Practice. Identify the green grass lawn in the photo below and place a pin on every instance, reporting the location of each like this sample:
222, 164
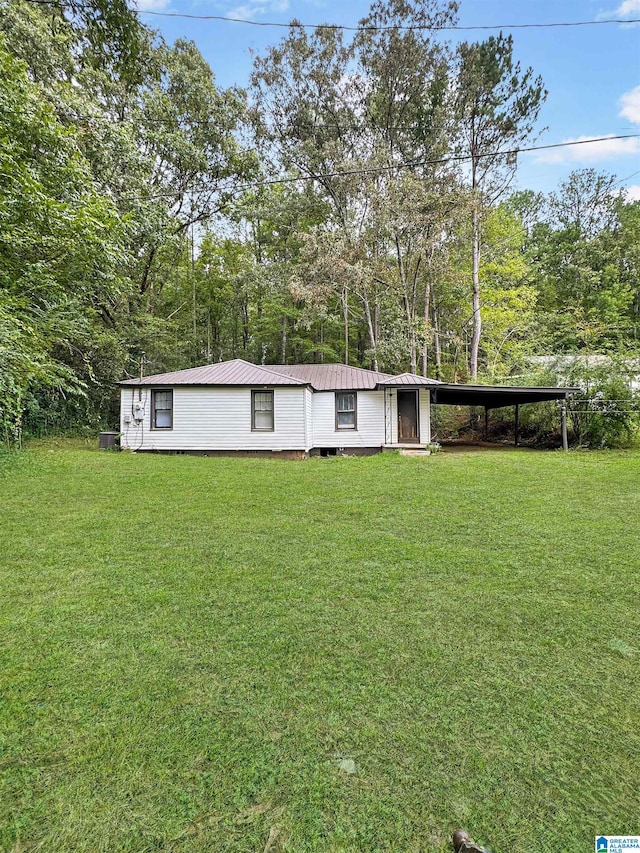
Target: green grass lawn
190, 647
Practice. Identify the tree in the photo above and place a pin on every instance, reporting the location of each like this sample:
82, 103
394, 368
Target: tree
61, 247
627, 232
509, 295
352, 117
155, 136
497, 106
585, 251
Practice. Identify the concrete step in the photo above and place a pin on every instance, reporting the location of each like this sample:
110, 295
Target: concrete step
408, 445
407, 452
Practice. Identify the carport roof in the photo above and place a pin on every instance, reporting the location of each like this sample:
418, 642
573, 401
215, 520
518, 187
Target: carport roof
495, 396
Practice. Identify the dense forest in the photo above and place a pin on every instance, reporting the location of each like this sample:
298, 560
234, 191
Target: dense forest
354, 204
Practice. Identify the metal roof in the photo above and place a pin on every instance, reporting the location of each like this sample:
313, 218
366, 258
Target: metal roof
411, 379
236, 372
333, 377
496, 396
343, 377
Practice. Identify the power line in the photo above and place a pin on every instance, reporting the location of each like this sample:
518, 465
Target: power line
628, 178
373, 28
374, 170
367, 28
455, 158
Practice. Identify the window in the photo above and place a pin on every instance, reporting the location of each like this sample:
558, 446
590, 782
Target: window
346, 407
262, 410
162, 410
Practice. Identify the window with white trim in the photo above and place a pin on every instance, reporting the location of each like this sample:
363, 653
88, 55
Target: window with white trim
162, 409
346, 410
262, 411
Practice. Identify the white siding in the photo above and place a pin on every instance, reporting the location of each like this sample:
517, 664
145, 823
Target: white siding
308, 412
370, 421
217, 418
425, 416
208, 418
392, 417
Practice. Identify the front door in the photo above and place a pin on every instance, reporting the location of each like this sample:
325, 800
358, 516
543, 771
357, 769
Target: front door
408, 416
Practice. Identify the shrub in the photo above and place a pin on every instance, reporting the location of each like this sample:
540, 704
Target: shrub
604, 413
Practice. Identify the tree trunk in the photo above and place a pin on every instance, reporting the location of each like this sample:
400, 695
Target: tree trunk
427, 301
436, 341
144, 284
407, 305
477, 317
345, 307
283, 352
370, 330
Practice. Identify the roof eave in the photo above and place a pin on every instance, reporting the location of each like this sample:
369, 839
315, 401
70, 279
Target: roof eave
509, 389
135, 383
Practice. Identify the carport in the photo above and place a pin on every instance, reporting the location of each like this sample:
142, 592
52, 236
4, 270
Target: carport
499, 396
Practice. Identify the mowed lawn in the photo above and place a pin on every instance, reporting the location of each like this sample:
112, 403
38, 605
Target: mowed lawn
190, 647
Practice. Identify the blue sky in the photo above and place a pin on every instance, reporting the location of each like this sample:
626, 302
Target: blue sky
592, 72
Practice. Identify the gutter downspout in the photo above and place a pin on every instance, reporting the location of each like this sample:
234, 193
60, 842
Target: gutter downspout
434, 437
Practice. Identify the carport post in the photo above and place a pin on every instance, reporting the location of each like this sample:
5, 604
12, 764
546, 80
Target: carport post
517, 424
563, 424
434, 400
486, 423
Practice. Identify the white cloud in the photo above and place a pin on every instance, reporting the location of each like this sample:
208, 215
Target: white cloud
150, 5
633, 192
257, 8
606, 148
627, 7
630, 103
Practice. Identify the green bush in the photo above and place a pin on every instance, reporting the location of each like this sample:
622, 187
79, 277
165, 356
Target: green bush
604, 413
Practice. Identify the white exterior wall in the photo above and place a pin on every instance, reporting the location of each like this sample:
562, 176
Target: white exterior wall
391, 406
218, 418
370, 421
308, 414
425, 416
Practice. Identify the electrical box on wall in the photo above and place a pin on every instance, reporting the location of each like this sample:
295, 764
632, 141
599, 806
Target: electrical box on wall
127, 419
138, 410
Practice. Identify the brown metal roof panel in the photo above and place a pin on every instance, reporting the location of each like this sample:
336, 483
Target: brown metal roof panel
235, 372
409, 379
322, 377
333, 377
245, 373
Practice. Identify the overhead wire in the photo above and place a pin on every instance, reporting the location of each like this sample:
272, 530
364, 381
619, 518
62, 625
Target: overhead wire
628, 178
458, 158
393, 167
385, 27
360, 28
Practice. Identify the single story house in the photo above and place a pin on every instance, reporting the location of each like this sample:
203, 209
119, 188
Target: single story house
296, 409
